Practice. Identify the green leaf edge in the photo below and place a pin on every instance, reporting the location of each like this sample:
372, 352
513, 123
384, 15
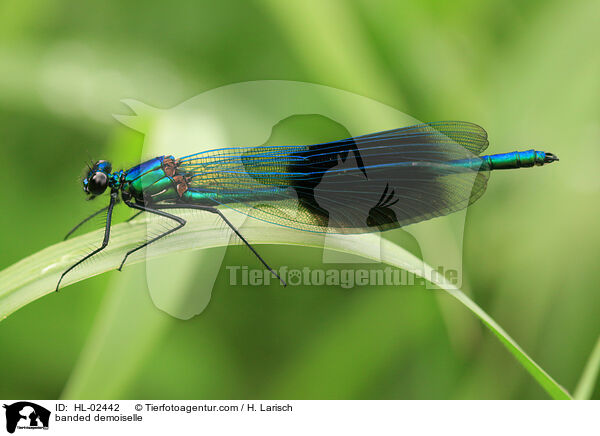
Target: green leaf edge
37, 275
585, 387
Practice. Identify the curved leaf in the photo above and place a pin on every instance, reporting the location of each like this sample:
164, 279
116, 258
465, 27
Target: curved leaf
38, 274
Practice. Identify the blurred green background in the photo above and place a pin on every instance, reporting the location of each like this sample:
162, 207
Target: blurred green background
526, 71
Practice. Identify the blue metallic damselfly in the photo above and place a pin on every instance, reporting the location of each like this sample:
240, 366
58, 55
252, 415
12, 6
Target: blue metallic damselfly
368, 183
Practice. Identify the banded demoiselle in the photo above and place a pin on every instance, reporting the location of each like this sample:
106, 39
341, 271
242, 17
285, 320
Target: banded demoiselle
368, 183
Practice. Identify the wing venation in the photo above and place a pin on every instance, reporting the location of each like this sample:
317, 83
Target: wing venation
372, 182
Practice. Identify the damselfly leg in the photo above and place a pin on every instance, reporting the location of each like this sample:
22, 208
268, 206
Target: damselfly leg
134, 216
84, 221
156, 210
181, 222
113, 199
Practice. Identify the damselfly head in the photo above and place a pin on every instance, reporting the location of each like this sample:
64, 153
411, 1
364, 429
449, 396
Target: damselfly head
97, 179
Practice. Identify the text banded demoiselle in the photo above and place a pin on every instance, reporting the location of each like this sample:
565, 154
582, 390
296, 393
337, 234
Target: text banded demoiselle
368, 183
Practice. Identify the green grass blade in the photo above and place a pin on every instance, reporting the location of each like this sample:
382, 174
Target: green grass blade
585, 387
37, 275
99, 374
550, 385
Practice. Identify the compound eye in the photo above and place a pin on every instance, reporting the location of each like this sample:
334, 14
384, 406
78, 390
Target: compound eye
97, 184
